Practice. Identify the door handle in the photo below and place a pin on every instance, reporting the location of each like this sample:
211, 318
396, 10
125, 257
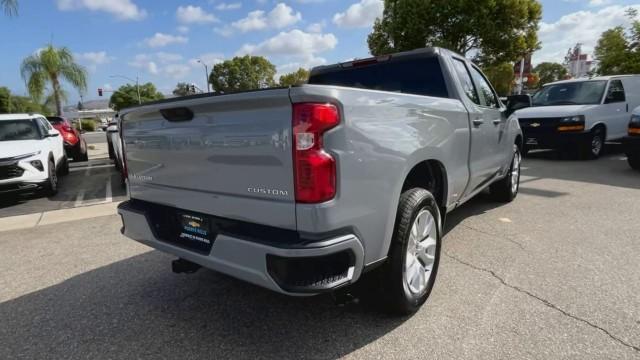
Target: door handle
496, 121
478, 122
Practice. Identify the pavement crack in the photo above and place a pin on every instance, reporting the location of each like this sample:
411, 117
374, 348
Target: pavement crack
544, 301
40, 218
495, 235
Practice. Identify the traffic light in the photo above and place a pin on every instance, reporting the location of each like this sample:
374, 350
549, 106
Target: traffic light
99, 92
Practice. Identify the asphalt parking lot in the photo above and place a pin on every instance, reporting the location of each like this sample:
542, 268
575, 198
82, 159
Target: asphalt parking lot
88, 183
553, 275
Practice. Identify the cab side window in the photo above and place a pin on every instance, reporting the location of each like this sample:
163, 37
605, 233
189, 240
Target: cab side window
487, 96
465, 79
615, 92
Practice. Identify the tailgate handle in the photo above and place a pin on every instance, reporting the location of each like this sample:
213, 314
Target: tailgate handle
177, 114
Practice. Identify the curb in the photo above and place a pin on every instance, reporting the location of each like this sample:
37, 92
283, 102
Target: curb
57, 216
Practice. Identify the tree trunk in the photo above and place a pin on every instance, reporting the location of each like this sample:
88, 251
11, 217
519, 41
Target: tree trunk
56, 94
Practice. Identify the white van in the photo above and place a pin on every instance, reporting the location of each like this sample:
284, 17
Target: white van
580, 114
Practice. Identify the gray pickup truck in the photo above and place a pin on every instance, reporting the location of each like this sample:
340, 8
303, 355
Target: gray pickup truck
309, 189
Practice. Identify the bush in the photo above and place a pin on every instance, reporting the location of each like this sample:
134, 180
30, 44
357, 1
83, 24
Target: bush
86, 125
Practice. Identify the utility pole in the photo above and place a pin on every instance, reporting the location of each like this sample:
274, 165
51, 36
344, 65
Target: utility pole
521, 87
138, 89
137, 80
206, 74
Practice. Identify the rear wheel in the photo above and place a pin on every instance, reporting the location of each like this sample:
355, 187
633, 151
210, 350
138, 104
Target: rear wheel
112, 153
409, 275
81, 155
506, 189
64, 168
634, 160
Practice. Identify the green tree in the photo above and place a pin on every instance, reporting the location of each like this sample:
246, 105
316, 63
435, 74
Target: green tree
618, 49
550, 72
182, 89
297, 77
10, 7
127, 95
613, 52
5, 100
51, 66
24, 104
496, 31
243, 73
501, 77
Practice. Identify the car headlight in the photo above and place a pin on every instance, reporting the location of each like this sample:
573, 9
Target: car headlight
572, 119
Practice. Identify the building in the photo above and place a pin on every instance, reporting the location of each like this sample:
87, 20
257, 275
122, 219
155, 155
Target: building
578, 64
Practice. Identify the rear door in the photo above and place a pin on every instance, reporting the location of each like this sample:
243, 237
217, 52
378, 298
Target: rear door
487, 122
233, 159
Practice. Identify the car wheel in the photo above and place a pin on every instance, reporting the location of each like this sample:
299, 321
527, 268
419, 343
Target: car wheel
506, 189
634, 160
52, 180
83, 156
593, 146
64, 168
112, 153
409, 275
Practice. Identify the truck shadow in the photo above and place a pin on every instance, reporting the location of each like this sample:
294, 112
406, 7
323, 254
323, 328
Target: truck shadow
137, 308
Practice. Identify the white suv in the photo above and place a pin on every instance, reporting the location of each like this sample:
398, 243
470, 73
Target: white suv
31, 154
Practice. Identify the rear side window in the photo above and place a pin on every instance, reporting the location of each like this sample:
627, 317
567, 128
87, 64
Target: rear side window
55, 120
421, 76
465, 79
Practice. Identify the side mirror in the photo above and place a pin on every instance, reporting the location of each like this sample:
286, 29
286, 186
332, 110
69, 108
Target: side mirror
517, 102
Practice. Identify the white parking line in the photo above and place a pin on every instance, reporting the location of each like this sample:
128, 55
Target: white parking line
90, 167
79, 198
109, 197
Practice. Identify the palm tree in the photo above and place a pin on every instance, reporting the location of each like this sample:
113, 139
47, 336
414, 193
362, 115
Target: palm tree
10, 7
48, 67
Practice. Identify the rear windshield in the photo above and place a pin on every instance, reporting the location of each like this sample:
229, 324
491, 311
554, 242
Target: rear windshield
421, 76
55, 120
12, 130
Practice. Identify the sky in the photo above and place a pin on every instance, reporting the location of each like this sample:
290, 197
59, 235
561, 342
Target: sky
162, 41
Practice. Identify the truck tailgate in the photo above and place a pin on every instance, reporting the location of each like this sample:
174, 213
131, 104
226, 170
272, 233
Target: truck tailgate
233, 159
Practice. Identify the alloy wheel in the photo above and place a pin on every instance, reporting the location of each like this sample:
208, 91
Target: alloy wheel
421, 252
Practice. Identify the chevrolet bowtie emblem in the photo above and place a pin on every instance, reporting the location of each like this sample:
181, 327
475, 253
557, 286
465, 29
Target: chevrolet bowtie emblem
534, 124
194, 224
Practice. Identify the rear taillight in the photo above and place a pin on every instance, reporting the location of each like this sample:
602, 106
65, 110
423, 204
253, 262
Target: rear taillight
314, 168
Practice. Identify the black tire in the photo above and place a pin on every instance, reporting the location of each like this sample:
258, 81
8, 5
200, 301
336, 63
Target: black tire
64, 167
505, 190
634, 160
112, 153
396, 294
82, 157
51, 187
593, 146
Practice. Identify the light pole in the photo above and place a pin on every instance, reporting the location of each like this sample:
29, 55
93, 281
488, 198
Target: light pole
206, 74
130, 79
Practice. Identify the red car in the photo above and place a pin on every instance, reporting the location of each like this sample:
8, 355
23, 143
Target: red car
74, 144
